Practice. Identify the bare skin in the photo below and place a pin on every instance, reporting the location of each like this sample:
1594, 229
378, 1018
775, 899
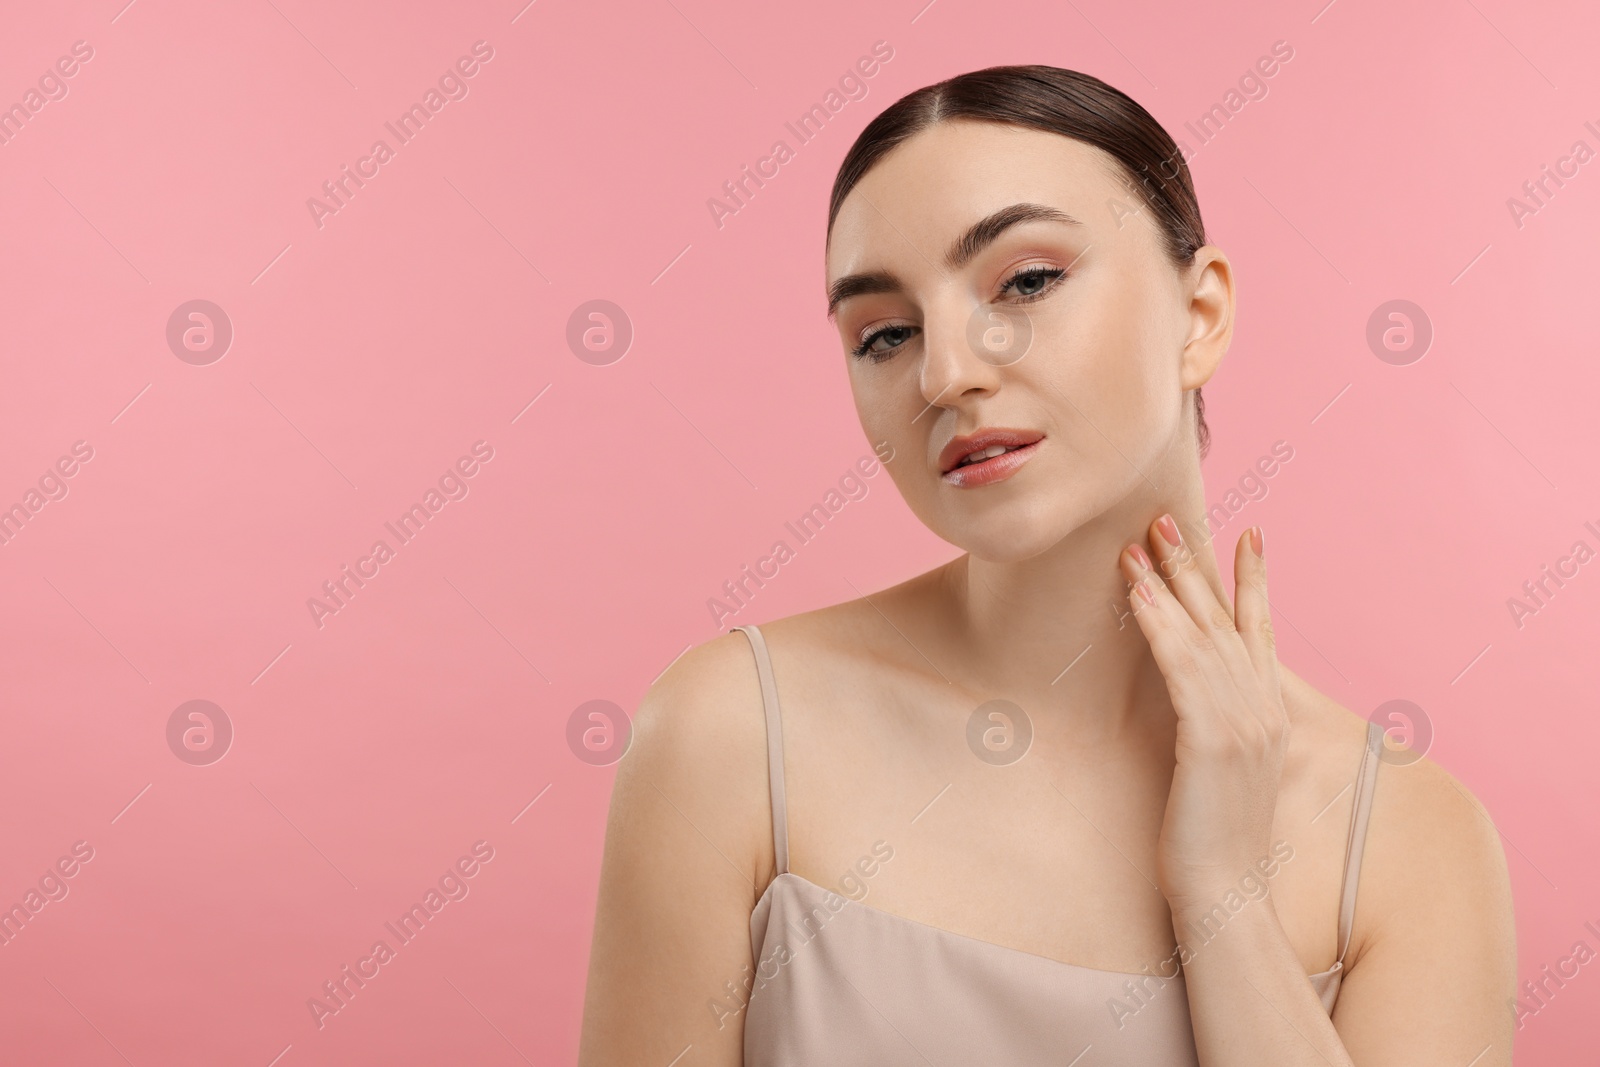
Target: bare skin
1175, 751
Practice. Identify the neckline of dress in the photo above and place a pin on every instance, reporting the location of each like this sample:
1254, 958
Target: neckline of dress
992, 945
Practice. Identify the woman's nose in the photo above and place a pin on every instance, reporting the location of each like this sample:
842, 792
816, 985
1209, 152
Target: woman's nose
966, 348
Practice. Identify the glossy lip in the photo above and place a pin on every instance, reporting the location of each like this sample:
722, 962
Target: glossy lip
964, 445
998, 469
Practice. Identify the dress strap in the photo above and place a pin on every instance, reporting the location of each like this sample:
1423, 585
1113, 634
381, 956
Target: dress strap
1355, 843
769, 701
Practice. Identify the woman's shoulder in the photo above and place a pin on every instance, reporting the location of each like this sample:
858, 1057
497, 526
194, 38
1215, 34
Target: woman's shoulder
697, 750
1328, 742
1432, 855
699, 735
868, 629
712, 689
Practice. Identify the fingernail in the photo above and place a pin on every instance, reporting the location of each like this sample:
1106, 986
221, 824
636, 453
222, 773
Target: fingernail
1144, 591
1169, 530
1258, 541
1139, 554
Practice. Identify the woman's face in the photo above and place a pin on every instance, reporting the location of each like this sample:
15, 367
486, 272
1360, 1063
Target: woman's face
1074, 331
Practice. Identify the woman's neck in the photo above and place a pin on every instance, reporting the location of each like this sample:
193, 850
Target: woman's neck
1056, 632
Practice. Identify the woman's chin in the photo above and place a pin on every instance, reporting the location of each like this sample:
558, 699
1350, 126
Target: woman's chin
1002, 544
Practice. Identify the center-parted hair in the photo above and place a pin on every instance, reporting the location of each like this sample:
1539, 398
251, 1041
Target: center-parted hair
1053, 100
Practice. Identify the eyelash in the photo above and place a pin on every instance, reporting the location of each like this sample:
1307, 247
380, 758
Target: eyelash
1053, 274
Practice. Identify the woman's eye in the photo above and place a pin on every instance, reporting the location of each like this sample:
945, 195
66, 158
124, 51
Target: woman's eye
894, 335
1033, 282
1028, 284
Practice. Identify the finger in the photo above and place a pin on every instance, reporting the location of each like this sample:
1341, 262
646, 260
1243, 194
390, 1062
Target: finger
1212, 616
1137, 566
1252, 610
1196, 677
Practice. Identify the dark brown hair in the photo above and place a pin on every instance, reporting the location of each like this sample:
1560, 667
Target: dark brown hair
1055, 101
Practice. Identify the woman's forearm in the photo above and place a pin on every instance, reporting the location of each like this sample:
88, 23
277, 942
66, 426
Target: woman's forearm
1249, 1000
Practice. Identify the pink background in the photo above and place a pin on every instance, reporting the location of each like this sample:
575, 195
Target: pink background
370, 353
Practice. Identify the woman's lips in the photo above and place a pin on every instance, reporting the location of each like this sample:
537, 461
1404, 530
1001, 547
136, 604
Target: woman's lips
995, 469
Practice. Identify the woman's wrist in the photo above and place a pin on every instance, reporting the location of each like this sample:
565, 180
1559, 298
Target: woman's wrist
1225, 890
1201, 911
1206, 930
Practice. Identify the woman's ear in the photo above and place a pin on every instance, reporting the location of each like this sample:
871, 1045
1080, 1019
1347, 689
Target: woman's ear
1210, 316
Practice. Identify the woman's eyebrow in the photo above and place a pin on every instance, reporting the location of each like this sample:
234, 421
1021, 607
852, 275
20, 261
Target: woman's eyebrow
977, 237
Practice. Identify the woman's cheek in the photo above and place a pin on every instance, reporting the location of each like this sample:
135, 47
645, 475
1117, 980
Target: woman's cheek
1126, 383
882, 419
880, 416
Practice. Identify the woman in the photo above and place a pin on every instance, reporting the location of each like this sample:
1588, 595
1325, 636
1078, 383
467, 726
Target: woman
1097, 820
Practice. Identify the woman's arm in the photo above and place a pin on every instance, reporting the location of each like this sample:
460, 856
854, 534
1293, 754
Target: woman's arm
688, 834
1435, 969
1430, 975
